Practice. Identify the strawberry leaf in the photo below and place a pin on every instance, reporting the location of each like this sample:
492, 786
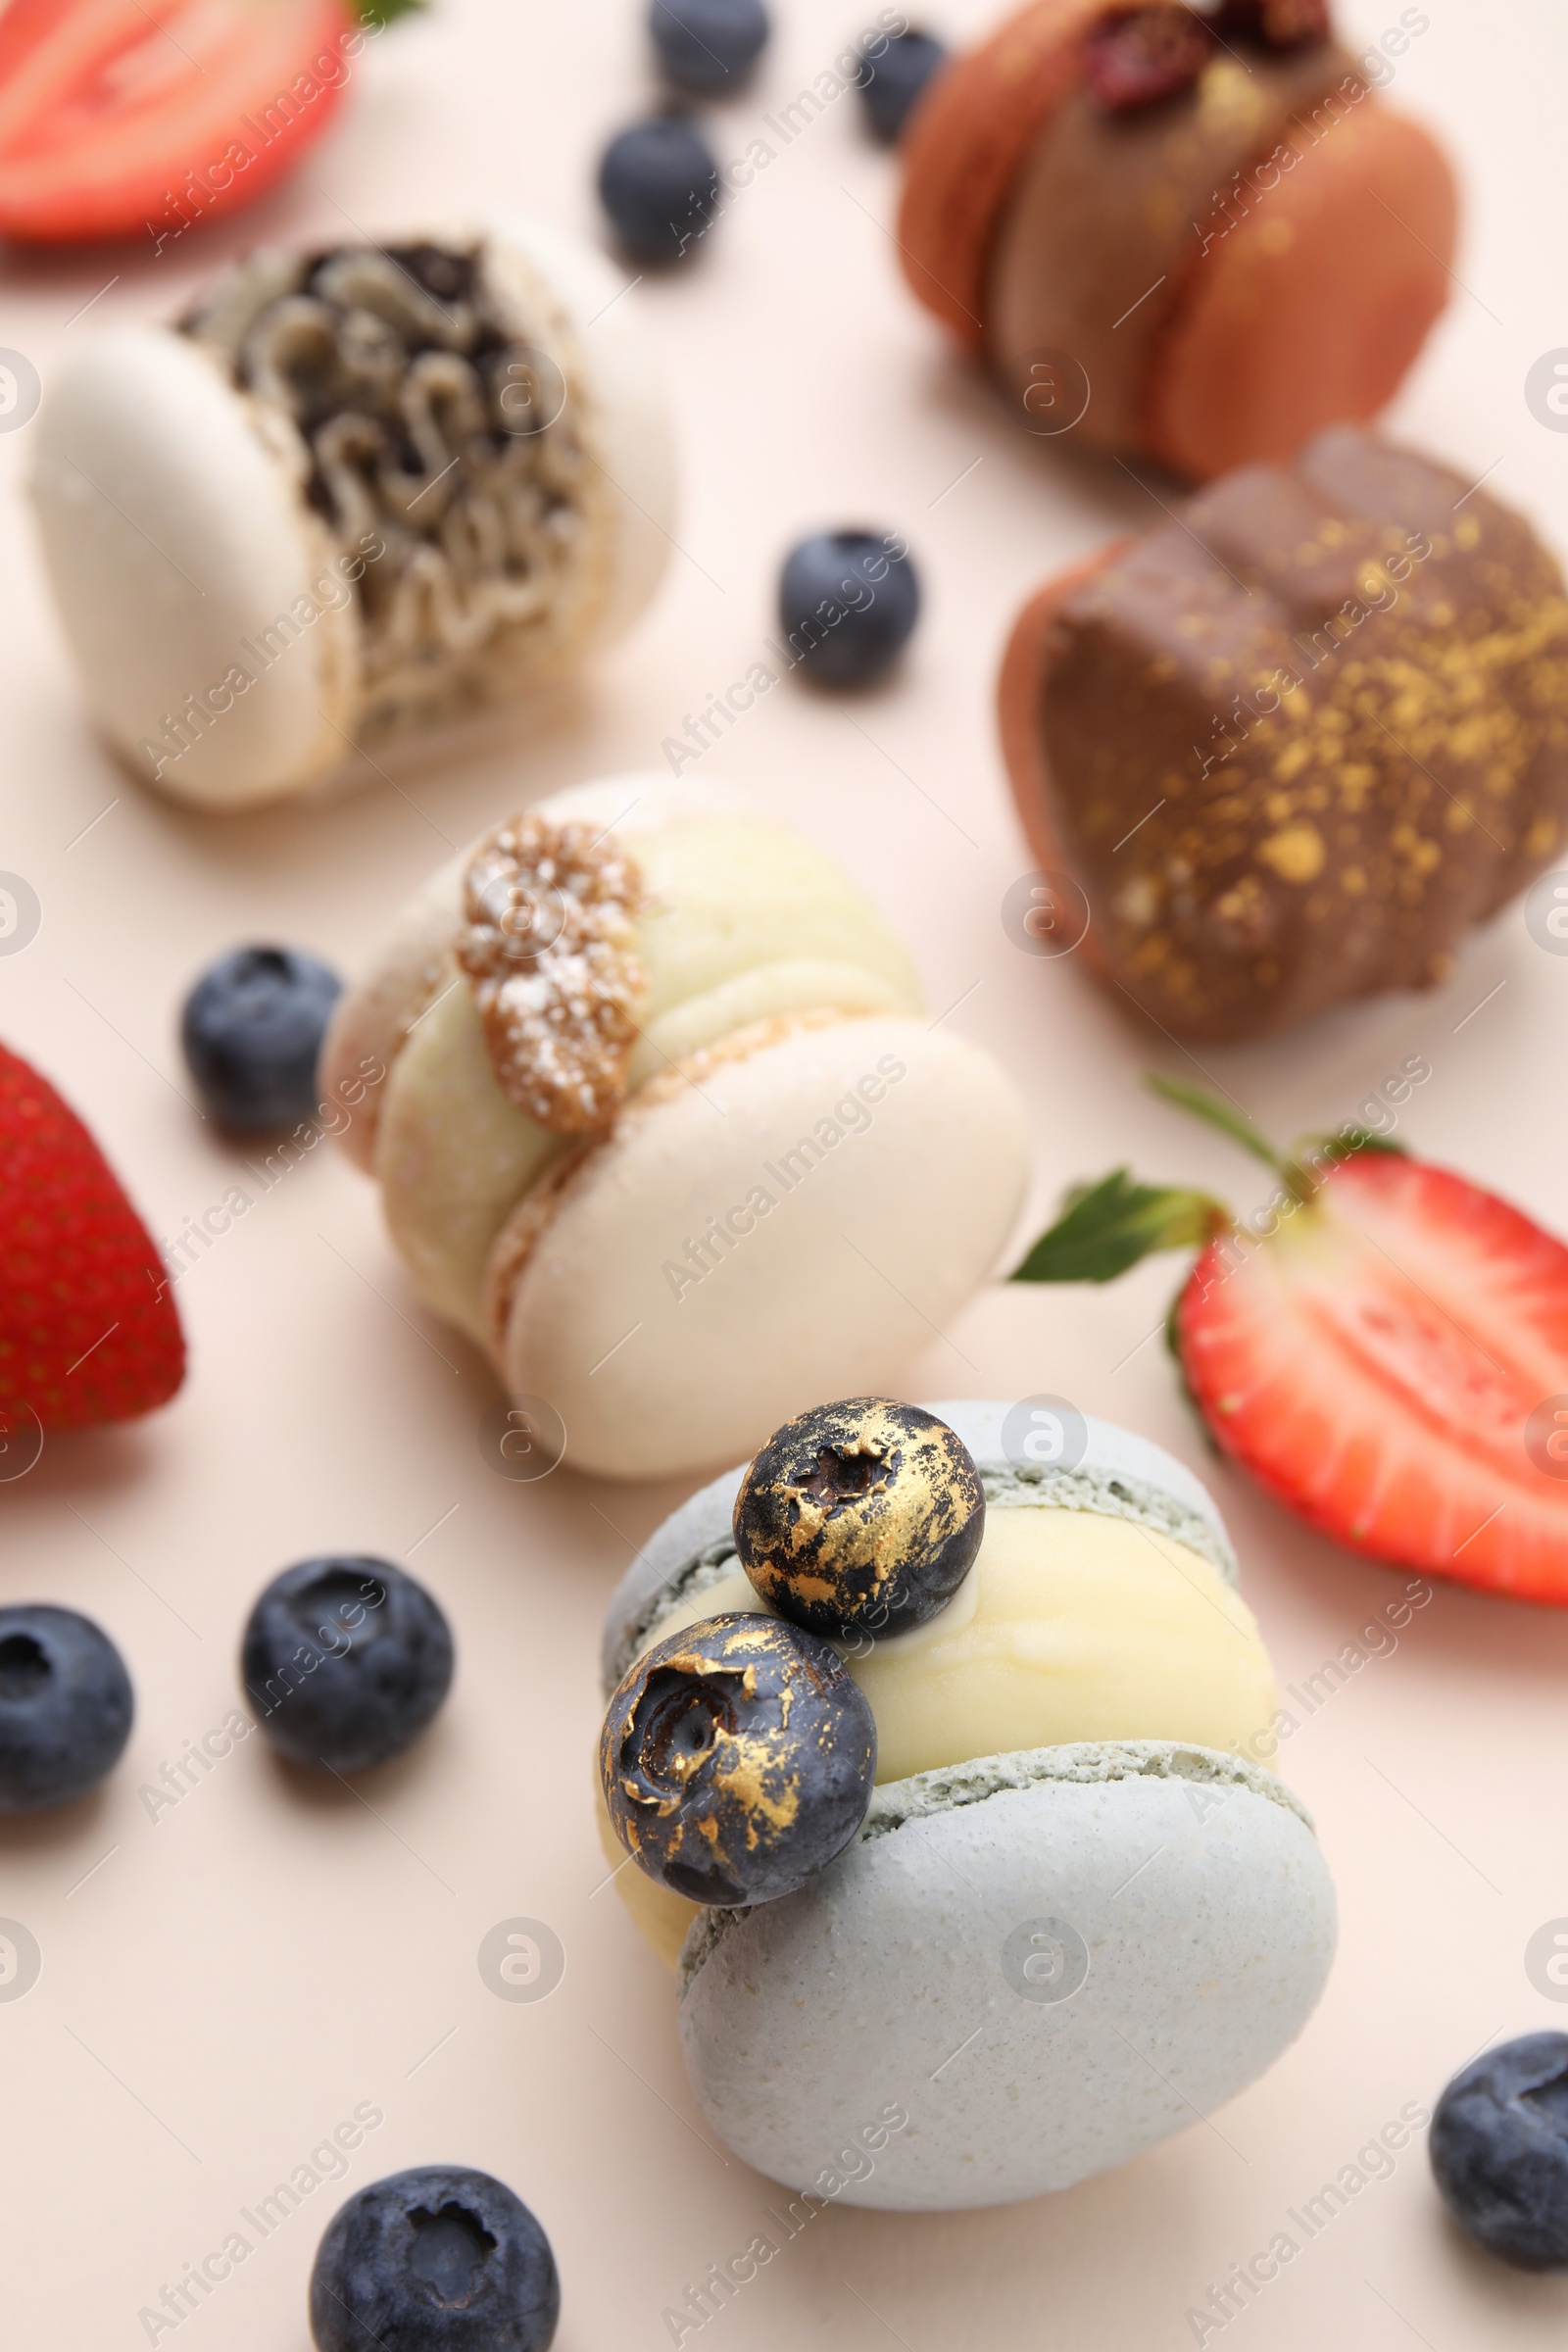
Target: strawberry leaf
1107, 1227
1223, 1115
377, 15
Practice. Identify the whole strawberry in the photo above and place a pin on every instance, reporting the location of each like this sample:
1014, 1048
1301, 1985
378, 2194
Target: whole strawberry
88, 1331
1384, 1348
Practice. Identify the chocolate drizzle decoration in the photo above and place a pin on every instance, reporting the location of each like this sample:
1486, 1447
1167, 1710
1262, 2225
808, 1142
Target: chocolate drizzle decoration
549, 947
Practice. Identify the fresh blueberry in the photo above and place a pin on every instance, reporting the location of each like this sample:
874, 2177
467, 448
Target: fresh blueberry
660, 185
709, 47
347, 1660
252, 1031
1499, 2150
861, 1518
65, 1706
737, 1759
848, 602
439, 2259
892, 83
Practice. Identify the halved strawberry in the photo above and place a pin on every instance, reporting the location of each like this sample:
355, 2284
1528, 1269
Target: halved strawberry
1388, 1355
118, 120
88, 1331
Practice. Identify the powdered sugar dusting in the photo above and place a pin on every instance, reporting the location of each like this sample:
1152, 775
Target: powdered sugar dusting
548, 945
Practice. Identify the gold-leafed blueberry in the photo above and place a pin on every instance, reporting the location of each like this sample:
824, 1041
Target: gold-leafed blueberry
737, 1759
862, 1517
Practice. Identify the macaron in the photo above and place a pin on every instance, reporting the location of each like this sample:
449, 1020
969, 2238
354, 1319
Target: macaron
1083, 1910
352, 494
1200, 236
1297, 741
660, 1123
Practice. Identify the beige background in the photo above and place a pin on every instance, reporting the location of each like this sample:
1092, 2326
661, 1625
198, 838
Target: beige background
232, 1979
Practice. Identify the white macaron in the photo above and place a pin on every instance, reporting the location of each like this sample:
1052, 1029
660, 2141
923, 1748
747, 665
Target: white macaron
1030, 1965
746, 1171
353, 494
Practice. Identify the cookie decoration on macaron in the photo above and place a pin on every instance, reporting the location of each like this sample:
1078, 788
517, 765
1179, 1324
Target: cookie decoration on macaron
1077, 1865
662, 1125
1196, 234
1298, 740
356, 492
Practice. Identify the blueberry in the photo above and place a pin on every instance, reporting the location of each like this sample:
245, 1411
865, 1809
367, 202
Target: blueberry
347, 1660
894, 80
848, 602
709, 47
861, 1518
65, 1706
660, 185
439, 2259
1499, 2150
737, 1759
252, 1031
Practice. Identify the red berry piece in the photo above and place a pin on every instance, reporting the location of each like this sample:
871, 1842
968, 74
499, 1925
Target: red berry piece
88, 1331
1138, 56
1383, 1349
1278, 23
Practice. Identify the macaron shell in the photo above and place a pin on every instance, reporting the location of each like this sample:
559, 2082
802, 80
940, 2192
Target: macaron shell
876, 1237
1312, 309
896, 1981
964, 146
175, 531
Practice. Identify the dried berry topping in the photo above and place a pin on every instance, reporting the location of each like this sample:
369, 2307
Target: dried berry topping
1138, 56
1279, 24
548, 945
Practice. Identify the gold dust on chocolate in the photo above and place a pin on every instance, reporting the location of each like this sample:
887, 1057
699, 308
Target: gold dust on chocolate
549, 947
1301, 740
861, 1518
737, 1759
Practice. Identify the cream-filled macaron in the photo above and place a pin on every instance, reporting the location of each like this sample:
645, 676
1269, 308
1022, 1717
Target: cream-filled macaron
354, 493
1081, 1910
663, 1126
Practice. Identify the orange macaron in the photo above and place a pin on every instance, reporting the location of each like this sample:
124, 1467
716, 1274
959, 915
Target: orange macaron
1208, 221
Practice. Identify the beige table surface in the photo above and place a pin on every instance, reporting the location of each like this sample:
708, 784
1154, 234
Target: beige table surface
235, 1978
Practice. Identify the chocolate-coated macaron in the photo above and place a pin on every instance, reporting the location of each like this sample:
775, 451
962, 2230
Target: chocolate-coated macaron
1293, 743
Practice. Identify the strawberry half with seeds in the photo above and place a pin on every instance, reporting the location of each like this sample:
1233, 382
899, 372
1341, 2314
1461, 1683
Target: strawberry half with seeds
88, 1331
1384, 1348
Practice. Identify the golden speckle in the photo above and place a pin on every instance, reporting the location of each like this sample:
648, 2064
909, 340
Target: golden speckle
1296, 854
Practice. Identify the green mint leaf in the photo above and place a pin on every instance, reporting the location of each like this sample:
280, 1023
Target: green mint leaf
377, 15
1223, 1115
1109, 1226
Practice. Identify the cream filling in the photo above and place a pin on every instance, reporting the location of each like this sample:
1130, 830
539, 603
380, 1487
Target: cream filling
743, 924
1071, 1627
447, 436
